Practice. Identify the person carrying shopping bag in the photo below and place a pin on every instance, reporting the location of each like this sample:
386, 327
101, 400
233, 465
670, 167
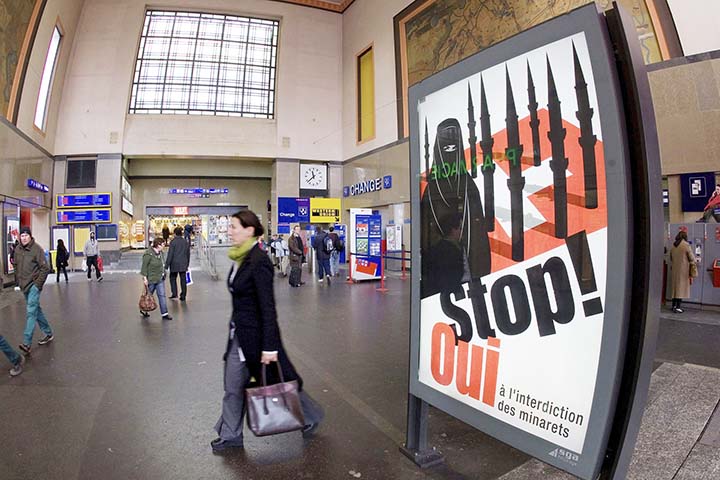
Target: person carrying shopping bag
153, 272
254, 335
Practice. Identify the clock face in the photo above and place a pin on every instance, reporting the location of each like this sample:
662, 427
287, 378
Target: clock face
313, 177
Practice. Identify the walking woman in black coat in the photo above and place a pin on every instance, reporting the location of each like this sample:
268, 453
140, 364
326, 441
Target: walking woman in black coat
254, 337
61, 260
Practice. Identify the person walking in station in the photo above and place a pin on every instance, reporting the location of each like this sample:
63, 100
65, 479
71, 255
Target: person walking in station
296, 251
91, 251
153, 272
188, 229
254, 334
282, 252
31, 271
335, 254
681, 257
178, 262
61, 260
323, 246
15, 358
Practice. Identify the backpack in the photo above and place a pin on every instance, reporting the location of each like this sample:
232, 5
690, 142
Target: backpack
337, 243
328, 246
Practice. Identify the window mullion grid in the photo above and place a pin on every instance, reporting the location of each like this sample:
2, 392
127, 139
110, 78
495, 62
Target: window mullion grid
273, 52
141, 58
167, 63
217, 77
245, 67
192, 65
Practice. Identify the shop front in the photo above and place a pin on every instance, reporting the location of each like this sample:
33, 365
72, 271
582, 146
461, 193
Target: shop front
377, 185
209, 221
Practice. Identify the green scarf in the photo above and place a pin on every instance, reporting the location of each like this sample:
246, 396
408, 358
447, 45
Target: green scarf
237, 253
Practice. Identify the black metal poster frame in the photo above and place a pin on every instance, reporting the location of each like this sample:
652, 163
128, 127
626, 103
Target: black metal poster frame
634, 238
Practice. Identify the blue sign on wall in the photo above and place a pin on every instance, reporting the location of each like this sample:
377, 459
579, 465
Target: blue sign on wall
368, 186
696, 189
84, 216
34, 184
293, 210
83, 200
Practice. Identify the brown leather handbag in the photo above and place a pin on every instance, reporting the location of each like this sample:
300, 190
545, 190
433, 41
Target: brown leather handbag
147, 301
273, 409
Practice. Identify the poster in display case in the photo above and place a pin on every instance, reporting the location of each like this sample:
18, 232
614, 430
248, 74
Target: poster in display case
12, 234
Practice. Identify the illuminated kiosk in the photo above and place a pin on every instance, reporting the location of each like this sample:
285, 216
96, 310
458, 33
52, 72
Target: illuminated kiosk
520, 312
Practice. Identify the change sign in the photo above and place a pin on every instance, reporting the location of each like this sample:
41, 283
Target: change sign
520, 315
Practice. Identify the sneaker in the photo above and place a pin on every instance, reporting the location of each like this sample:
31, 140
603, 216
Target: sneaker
320, 280
144, 314
18, 367
24, 348
678, 310
167, 317
89, 279
47, 339
173, 297
100, 279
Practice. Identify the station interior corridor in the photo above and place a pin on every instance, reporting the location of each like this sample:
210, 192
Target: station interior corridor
116, 396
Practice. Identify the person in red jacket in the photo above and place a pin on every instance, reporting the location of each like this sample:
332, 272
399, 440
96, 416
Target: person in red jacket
712, 205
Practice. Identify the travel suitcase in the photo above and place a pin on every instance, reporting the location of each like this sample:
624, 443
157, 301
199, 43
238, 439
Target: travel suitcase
294, 278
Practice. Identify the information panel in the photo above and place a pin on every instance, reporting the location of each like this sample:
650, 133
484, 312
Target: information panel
83, 200
100, 215
325, 210
515, 328
367, 260
293, 210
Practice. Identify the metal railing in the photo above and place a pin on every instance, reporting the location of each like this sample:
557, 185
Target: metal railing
207, 257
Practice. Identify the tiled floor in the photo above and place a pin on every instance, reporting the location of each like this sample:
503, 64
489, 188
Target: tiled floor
119, 397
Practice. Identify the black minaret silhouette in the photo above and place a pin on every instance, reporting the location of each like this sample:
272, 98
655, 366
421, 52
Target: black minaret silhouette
559, 162
488, 164
427, 154
587, 139
534, 120
516, 182
472, 139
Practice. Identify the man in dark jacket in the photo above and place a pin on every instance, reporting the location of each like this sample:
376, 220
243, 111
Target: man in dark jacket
178, 261
296, 254
31, 271
322, 254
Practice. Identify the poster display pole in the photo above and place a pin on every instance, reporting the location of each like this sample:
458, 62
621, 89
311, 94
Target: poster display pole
416, 447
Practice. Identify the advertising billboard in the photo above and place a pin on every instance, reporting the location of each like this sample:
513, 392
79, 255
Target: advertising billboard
521, 302
325, 210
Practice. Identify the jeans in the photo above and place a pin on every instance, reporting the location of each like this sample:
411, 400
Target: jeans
63, 270
92, 261
335, 262
324, 266
160, 287
183, 284
9, 352
34, 315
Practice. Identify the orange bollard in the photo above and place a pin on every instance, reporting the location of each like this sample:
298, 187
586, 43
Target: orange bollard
403, 277
349, 277
382, 271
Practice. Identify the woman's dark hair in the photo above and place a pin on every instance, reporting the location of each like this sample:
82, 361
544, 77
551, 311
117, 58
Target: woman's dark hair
178, 231
157, 241
60, 244
247, 219
682, 235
